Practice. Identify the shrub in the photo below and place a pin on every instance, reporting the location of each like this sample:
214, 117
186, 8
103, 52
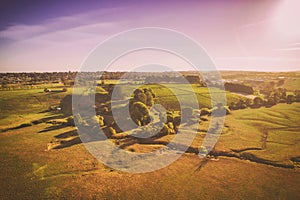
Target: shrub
170, 117
297, 95
290, 99
100, 120
109, 132
270, 102
227, 109
258, 102
112, 131
177, 121
219, 111
171, 128
165, 130
70, 121
205, 111
241, 104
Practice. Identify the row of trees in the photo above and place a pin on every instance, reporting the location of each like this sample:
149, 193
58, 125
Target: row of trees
239, 88
276, 96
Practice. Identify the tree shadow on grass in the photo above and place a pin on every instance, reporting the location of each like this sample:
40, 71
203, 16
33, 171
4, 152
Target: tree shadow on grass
68, 143
54, 117
67, 134
44, 111
52, 128
70, 138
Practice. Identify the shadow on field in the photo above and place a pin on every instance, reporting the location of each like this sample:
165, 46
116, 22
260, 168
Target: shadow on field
68, 143
67, 134
52, 128
44, 111
70, 138
55, 117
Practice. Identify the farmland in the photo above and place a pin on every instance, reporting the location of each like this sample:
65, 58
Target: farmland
256, 157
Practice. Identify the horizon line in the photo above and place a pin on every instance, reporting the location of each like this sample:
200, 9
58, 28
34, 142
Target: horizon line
222, 70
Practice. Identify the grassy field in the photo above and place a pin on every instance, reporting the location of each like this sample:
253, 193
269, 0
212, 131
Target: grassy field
169, 92
256, 157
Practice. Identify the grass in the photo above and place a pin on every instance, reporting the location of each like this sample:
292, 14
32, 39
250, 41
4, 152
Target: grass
26, 105
291, 84
169, 93
30, 171
280, 124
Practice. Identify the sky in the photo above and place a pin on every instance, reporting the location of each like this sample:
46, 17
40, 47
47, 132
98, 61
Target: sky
249, 35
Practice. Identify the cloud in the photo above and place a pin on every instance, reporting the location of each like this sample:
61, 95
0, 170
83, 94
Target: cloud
89, 19
57, 43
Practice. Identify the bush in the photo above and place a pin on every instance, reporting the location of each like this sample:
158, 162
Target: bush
165, 130
112, 131
219, 111
270, 102
171, 128
241, 104
109, 132
100, 120
205, 111
170, 117
70, 121
290, 99
177, 121
297, 95
258, 102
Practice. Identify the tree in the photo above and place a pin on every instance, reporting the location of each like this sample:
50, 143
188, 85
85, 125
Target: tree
290, 99
142, 98
258, 102
270, 102
205, 111
165, 130
70, 121
297, 95
139, 113
220, 110
149, 97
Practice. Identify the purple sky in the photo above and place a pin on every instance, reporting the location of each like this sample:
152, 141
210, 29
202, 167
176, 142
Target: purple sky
46, 35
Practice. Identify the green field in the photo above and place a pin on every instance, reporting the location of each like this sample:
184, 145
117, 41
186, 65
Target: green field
256, 157
167, 94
